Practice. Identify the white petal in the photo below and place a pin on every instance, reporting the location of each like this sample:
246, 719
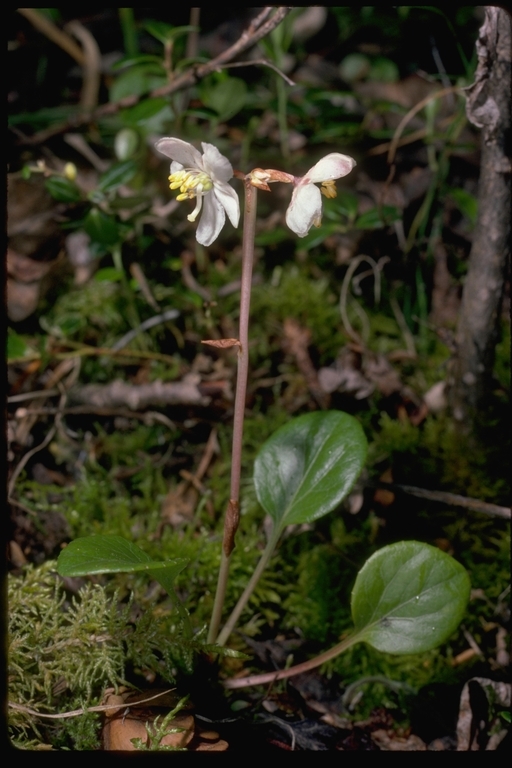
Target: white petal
216, 165
175, 167
332, 166
212, 220
228, 198
304, 209
180, 151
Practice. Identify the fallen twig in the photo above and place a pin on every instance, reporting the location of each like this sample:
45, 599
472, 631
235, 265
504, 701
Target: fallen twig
452, 499
78, 712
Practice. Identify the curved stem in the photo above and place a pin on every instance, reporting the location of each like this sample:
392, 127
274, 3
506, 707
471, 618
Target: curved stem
232, 513
242, 602
306, 666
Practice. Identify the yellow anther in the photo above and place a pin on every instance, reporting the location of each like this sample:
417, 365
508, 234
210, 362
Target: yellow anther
190, 183
328, 189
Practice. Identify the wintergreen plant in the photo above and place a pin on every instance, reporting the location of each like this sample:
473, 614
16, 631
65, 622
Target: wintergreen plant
408, 597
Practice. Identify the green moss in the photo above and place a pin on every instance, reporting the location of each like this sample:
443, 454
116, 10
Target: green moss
292, 293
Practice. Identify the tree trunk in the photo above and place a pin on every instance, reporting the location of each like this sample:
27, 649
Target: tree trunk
489, 108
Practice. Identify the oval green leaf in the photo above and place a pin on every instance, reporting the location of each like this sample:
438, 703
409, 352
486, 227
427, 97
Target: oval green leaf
409, 597
306, 468
113, 554
101, 227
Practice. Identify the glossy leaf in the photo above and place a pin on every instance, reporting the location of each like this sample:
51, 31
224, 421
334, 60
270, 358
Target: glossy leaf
63, 190
307, 467
118, 174
409, 597
113, 554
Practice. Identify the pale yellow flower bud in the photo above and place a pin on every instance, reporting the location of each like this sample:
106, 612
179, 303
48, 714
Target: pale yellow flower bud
70, 171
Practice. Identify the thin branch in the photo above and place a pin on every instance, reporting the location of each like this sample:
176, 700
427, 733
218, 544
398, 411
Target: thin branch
91, 66
21, 464
77, 712
255, 32
262, 62
417, 108
164, 317
453, 499
53, 33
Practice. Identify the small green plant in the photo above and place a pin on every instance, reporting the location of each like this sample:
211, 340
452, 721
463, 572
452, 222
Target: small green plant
409, 597
158, 730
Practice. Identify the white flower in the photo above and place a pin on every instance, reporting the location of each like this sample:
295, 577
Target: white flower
204, 177
305, 208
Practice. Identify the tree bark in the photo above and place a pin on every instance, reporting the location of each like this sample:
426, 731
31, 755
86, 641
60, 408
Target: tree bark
489, 108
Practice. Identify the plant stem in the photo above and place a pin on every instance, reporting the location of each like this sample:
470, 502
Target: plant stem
298, 669
232, 512
242, 602
282, 119
127, 19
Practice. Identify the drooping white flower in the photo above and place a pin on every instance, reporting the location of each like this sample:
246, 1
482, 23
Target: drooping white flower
205, 178
305, 208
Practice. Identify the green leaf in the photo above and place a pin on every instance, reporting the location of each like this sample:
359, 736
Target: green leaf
376, 218
145, 110
113, 554
225, 98
165, 32
63, 190
101, 228
16, 345
355, 66
137, 81
408, 598
118, 174
305, 469
108, 275
140, 58
347, 204
466, 203
384, 70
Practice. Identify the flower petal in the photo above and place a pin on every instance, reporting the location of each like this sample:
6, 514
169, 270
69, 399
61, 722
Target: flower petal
180, 151
304, 209
212, 220
228, 198
216, 165
332, 166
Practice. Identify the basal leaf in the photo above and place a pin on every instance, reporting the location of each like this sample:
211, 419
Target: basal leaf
409, 597
306, 468
113, 554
